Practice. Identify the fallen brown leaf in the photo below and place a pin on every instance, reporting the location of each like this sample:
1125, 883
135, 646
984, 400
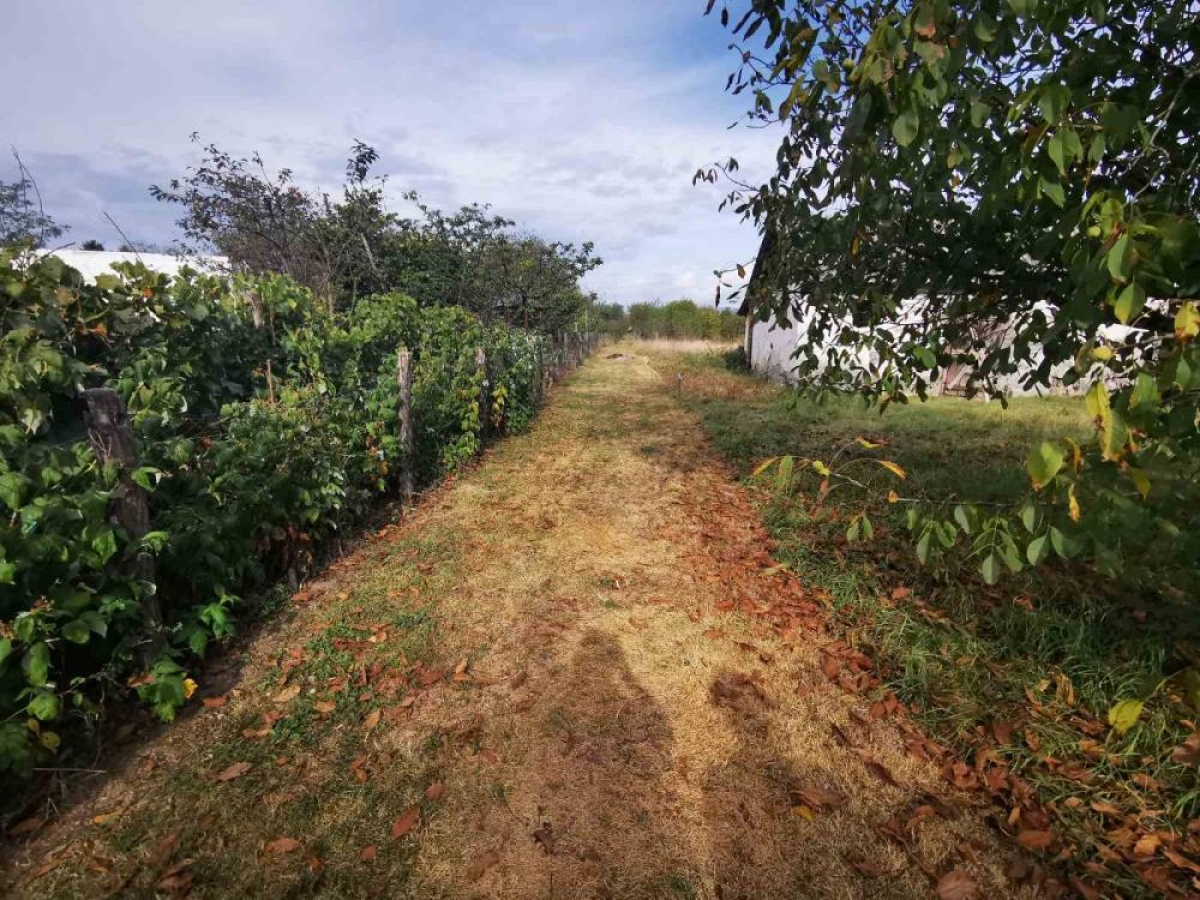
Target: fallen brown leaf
481, 864
1188, 753
163, 851
956, 885
435, 790
237, 770
819, 798
27, 826
324, 707
372, 719
283, 845
215, 702
878, 769
1035, 840
368, 854
288, 694
405, 822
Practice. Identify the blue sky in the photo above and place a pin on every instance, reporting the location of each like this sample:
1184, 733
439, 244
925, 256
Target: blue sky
579, 120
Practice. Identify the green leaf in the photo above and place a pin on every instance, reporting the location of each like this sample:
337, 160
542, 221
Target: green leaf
1045, 461
77, 631
979, 113
1029, 517
44, 706
1053, 102
923, 545
1024, 8
1057, 150
985, 27
1054, 191
1038, 550
963, 517
105, 545
1125, 715
783, 475
6, 649
37, 664
1130, 302
1120, 259
990, 568
855, 529
905, 127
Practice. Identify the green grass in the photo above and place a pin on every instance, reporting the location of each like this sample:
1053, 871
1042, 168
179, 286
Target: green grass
964, 654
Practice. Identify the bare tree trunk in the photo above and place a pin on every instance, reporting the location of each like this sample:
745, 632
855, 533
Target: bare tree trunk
111, 436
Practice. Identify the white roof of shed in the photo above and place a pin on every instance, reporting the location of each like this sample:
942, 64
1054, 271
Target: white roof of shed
91, 263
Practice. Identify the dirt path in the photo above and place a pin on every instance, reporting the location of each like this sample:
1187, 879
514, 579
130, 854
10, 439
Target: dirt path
571, 673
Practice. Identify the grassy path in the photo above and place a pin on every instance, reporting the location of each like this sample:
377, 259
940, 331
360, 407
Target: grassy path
571, 673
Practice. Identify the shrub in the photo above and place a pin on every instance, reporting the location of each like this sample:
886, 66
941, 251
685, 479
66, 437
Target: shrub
264, 424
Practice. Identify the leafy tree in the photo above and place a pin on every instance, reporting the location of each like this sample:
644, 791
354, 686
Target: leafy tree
994, 183
349, 246
91, 244
263, 222
22, 218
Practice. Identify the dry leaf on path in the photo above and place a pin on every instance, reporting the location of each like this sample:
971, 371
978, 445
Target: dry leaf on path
27, 826
435, 791
956, 885
481, 864
405, 822
283, 845
287, 694
163, 851
237, 770
1035, 840
368, 854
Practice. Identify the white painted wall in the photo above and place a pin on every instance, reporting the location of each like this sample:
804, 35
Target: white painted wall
770, 352
771, 349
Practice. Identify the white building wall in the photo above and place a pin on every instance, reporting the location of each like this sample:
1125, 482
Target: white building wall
771, 349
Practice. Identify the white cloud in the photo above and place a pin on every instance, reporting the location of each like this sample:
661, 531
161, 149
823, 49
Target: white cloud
581, 123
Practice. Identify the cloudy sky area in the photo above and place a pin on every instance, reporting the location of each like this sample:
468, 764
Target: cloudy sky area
582, 121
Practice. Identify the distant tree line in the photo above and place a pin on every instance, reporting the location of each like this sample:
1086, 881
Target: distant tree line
680, 319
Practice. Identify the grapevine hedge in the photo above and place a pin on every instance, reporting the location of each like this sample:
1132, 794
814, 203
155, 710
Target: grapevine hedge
264, 423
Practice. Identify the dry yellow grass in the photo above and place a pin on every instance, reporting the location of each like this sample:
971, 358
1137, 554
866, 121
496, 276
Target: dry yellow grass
614, 733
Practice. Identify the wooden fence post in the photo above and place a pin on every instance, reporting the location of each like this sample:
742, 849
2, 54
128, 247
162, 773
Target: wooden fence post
407, 446
111, 435
484, 392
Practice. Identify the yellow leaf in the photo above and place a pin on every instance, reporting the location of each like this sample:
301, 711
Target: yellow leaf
893, 497
763, 466
1187, 322
1073, 503
821, 468
803, 811
892, 467
1124, 715
1140, 481
870, 445
189, 688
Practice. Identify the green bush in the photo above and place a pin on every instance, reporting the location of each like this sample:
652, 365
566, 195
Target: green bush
264, 425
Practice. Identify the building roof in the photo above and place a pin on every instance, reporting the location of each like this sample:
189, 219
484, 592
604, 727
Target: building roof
90, 263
